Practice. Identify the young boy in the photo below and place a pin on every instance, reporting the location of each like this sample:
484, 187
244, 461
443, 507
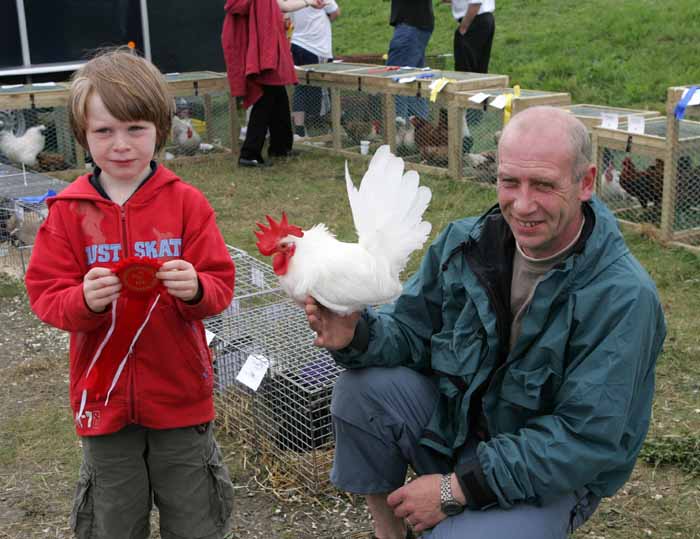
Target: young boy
129, 261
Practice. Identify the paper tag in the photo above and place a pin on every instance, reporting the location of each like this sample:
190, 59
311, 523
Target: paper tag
405, 80
257, 277
253, 371
610, 120
209, 335
499, 101
635, 124
479, 98
695, 100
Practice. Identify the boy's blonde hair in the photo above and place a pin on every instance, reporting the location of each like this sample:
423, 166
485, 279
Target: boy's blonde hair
131, 88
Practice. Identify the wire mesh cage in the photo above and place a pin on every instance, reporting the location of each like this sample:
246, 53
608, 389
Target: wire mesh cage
594, 115
647, 178
34, 131
202, 125
287, 420
482, 114
22, 210
405, 107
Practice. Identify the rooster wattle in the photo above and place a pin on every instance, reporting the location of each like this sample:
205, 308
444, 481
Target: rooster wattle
387, 211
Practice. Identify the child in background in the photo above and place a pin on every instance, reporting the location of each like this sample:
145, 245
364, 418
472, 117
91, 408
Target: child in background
129, 261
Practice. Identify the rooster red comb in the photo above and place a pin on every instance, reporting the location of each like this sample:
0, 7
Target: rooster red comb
268, 237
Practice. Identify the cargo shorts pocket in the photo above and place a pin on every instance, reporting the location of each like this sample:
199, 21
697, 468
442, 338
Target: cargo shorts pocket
222, 489
82, 514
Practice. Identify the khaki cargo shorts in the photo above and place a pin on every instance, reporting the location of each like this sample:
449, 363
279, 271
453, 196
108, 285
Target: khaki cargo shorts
125, 473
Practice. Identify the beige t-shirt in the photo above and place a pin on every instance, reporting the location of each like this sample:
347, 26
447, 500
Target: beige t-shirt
527, 272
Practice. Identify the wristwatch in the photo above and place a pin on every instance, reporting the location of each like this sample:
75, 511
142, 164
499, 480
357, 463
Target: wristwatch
448, 504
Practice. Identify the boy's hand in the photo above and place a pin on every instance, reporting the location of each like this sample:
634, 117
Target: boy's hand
180, 278
100, 288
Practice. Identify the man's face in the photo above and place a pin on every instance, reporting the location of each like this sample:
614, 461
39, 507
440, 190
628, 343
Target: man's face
536, 191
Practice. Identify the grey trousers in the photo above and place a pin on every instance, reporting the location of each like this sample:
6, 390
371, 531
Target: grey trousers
379, 414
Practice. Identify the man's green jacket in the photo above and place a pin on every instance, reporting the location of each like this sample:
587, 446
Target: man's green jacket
569, 406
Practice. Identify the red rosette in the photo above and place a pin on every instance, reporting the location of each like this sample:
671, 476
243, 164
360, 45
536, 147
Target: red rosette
138, 276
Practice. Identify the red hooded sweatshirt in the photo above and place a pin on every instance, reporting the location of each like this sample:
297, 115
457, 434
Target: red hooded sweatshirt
167, 381
256, 49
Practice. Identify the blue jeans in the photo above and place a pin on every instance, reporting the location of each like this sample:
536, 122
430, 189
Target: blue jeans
378, 418
407, 48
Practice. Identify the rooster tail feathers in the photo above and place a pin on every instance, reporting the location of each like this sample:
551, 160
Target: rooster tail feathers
388, 208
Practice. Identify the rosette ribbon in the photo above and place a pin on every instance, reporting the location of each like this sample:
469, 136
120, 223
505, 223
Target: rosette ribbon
138, 298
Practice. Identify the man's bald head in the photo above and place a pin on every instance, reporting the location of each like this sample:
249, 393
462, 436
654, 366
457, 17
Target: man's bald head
552, 126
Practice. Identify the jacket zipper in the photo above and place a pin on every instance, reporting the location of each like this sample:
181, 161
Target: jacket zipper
131, 390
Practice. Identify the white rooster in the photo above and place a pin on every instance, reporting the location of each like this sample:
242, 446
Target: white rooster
387, 211
186, 138
23, 149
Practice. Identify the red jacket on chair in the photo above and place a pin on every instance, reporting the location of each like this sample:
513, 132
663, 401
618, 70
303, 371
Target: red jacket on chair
256, 49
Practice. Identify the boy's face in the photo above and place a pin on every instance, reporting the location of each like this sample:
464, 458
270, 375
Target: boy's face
123, 150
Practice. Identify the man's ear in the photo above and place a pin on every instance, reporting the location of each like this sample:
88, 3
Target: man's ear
588, 183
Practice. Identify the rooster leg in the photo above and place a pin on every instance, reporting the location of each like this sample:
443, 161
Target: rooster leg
24, 174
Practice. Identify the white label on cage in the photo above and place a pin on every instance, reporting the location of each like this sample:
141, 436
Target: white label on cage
253, 371
479, 98
499, 101
635, 124
234, 307
209, 335
610, 120
4, 251
695, 99
257, 277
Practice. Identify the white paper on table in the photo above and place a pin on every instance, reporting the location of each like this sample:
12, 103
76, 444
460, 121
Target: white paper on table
45, 84
209, 335
406, 80
695, 100
253, 371
610, 120
10, 86
499, 102
479, 98
635, 124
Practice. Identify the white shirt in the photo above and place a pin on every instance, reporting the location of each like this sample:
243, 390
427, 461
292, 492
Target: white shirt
459, 7
312, 29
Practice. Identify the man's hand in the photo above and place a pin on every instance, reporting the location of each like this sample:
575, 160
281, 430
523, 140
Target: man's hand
179, 278
333, 331
418, 502
100, 288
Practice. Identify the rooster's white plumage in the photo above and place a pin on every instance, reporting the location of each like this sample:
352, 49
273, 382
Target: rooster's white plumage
387, 210
186, 138
25, 148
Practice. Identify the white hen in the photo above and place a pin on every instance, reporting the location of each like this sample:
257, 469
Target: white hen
387, 211
186, 138
23, 149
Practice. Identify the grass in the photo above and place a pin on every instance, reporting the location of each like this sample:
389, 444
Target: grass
623, 53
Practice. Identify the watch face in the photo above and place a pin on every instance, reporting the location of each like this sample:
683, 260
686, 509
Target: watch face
451, 508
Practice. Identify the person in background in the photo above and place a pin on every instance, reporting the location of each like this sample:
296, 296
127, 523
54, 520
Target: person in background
141, 373
474, 34
413, 22
259, 64
515, 373
312, 43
